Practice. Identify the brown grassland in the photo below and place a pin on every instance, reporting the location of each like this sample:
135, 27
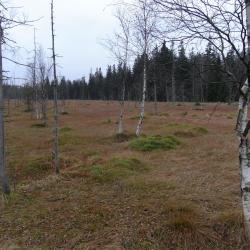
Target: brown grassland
112, 196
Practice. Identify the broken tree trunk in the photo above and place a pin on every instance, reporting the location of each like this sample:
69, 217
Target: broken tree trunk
55, 129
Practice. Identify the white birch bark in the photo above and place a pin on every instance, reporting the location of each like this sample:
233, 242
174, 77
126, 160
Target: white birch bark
140, 123
242, 129
243, 154
120, 124
3, 176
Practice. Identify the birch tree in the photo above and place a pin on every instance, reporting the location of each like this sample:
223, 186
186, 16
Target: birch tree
226, 26
120, 48
242, 129
145, 27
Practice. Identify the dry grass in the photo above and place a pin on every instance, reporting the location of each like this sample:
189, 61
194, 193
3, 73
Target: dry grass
110, 196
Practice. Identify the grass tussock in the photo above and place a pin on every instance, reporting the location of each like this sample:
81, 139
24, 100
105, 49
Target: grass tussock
141, 185
123, 137
184, 113
186, 130
180, 217
164, 114
69, 139
117, 169
65, 129
197, 104
155, 142
193, 132
228, 220
38, 125
107, 121
179, 125
37, 166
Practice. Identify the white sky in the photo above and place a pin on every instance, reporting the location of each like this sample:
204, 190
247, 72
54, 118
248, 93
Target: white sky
80, 26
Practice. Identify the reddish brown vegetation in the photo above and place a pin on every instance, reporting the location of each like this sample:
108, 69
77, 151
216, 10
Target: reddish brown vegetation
177, 202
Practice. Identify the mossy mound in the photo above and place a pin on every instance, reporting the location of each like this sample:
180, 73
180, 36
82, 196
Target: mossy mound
117, 169
154, 142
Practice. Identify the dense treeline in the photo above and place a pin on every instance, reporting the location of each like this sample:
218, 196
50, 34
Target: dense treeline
198, 77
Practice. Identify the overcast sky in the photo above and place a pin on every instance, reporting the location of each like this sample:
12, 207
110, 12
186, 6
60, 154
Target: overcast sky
80, 26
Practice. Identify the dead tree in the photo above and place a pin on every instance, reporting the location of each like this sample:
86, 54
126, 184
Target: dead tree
3, 175
225, 25
36, 112
7, 22
43, 74
55, 83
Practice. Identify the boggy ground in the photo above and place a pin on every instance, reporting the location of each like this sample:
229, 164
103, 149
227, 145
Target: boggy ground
111, 195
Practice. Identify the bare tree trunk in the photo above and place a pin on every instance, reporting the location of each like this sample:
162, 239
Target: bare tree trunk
173, 76
139, 126
193, 83
35, 90
56, 136
167, 91
44, 101
3, 176
242, 130
8, 109
155, 98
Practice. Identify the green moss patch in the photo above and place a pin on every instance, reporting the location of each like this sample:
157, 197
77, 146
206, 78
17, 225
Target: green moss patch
154, 142
117, 169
